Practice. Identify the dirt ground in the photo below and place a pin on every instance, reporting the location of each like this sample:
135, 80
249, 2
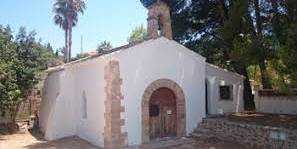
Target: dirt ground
274, 120
35, 141
192, 143
29, 141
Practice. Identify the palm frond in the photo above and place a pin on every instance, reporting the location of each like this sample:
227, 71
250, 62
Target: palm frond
67, 9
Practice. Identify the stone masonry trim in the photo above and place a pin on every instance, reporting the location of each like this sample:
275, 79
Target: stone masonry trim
113, 135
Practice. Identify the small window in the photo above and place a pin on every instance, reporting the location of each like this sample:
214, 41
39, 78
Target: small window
154, 110
84, 106
226, 92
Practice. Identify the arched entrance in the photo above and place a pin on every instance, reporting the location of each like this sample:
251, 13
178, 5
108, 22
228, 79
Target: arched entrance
163, 110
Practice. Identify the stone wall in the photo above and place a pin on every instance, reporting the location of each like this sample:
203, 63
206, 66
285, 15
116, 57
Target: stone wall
30, 107
258, 136
269, 101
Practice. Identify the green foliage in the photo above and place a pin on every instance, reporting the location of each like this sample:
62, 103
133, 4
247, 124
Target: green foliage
255, 38
80, 56
21, 61
138, 34
148, 3
66, 12
288, 55
103, 47
251, 31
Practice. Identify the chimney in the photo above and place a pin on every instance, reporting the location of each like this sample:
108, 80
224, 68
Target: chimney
159, 22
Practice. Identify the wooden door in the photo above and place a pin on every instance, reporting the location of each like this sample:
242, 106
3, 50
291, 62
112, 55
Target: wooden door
155, 121
162, 114
169, 121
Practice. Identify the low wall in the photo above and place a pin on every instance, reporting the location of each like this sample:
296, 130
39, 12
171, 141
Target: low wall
254, 135
8, 127
269, 101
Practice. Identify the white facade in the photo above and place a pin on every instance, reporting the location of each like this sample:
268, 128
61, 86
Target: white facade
62, 112
215, 77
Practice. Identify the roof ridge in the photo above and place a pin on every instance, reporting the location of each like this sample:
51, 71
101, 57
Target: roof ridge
223, 69
122, 47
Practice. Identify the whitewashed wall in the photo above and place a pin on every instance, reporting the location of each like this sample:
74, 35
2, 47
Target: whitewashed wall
58, 107
90, 79
145, 63
216, 76
49, 94
139, 66
276, 104
63, 102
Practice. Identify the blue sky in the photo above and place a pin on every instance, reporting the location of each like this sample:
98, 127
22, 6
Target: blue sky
110, 20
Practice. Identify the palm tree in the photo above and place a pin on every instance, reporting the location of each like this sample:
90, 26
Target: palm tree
66, 16
62, 22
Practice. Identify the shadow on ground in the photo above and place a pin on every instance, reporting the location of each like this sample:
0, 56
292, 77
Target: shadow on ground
37, 134
34, 140
2, 138
65, 143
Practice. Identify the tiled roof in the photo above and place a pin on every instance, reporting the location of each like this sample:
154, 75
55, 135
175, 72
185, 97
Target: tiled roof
91, 56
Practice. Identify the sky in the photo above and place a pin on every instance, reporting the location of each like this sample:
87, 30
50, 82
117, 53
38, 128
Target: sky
110, 20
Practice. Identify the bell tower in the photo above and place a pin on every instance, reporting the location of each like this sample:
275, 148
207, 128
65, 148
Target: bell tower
159, 22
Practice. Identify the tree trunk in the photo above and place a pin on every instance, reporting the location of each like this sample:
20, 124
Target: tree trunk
264, 75
225, 10
258, 18
14, 112
259, 38
66, 46
70, 38
241, 69
30, 106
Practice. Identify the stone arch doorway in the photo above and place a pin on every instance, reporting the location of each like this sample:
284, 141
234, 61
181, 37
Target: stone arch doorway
162, 92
